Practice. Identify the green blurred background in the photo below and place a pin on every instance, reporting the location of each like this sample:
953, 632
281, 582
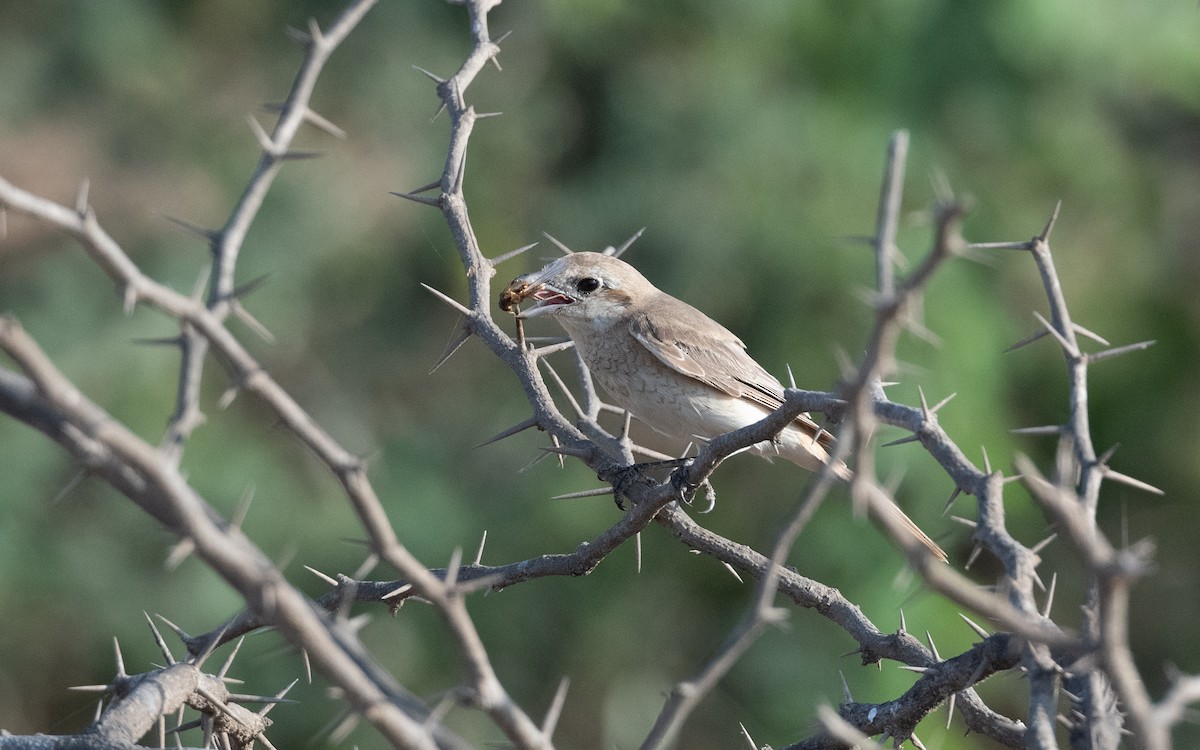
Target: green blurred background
749, 141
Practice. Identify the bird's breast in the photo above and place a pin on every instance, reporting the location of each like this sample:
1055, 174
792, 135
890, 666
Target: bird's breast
661, 397
676, 404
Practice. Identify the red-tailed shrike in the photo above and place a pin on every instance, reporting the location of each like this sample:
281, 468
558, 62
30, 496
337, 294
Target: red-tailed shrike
668, 364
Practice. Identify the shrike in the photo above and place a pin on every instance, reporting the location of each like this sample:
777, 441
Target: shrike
668, 364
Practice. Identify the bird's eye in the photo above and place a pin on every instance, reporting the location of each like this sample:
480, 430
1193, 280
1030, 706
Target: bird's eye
587, 284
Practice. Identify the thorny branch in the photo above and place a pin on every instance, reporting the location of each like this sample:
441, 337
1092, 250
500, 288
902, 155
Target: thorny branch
137, 702
226, 243
523, 361
47, 400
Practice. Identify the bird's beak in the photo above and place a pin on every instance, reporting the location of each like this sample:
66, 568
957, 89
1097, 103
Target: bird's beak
532, 287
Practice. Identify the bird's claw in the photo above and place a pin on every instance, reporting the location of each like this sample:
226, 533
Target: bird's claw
686, 489
683, 486
710, 494
623, 479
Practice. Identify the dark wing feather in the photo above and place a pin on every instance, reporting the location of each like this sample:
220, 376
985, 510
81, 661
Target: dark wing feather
705, 350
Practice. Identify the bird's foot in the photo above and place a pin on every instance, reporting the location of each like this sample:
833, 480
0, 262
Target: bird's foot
686, 489
624, 478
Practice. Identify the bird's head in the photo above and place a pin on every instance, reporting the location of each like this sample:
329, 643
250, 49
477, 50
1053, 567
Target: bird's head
580, 286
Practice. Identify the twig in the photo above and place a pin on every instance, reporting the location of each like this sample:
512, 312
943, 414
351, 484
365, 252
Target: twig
50, 402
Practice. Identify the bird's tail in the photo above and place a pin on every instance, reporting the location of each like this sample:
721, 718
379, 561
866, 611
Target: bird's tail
900, 517
911, 526
802, 448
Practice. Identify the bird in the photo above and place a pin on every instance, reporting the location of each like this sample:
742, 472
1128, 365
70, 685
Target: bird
668, 364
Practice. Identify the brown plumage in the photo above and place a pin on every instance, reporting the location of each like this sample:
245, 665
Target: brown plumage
670, 365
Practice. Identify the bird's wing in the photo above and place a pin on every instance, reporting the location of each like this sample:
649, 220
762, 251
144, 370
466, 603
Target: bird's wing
705, 350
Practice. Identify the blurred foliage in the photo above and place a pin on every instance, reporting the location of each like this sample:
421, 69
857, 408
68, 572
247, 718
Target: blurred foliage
751, 144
